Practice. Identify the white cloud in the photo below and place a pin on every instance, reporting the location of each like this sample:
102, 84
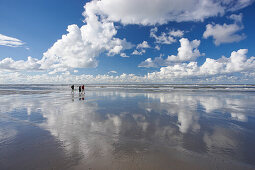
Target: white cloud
157, 47
80, 47
237, 18
140, 52
112, 72
140, 48
148, 63
166, 38
151, 12
124, 55
144, 44
215, 71
237, 62
176, 33
10, 64
188, 51
226, 33
10, 41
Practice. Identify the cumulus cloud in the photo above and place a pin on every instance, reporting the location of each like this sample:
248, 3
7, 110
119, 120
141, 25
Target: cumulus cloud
226, 33
220, 70
140, 48
144, 44
188, 51
237, 62
166, 38
151, 12
140, 52
149, 63
80, 47
157, 47
10, 64
10, 41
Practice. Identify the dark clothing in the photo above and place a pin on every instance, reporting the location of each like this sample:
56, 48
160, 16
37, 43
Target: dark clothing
82, 87
72, 86
79, 88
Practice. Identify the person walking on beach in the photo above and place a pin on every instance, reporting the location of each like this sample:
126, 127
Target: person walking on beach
82, 88
72, 87
79, 89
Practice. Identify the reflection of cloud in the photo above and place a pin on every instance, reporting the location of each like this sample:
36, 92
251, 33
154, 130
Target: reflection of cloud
236, 105
99, 128
239, 116
183, 106
222, 140
187, 120
211, 103
6, 134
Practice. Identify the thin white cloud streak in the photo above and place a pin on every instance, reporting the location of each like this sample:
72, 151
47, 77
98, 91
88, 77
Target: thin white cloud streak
112, 72
10, 41
124, 55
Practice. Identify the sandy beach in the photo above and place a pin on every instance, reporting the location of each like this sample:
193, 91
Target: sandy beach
127, 127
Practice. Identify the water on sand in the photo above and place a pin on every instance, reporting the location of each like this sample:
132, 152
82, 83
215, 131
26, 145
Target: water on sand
127, 127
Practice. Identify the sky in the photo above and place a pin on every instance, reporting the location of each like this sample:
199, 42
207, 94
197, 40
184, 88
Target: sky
127, 41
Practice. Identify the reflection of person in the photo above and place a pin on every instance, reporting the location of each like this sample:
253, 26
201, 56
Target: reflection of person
72, 97
81, 96
72, 87
82, 88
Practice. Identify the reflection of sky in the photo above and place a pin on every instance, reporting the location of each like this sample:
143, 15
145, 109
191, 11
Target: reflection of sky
106, 120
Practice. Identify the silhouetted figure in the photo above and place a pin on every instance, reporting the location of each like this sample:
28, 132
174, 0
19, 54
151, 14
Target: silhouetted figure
72, 87
79, 89
82, 88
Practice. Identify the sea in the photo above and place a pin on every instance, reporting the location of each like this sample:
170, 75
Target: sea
127, 126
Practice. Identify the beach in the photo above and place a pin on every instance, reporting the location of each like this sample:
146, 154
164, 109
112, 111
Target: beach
127, 127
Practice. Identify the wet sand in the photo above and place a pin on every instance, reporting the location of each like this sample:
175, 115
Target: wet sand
123, 129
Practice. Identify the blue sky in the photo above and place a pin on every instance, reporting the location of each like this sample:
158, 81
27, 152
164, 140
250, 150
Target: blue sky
127, 41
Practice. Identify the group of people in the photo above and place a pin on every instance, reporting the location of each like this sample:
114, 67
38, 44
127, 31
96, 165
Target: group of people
81, 89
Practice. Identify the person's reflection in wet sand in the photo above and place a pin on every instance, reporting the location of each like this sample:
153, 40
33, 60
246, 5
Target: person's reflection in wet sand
81, 96
72, 97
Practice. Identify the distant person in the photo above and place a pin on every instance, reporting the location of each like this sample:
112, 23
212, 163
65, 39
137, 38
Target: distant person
82, 88
79, 89
72, 87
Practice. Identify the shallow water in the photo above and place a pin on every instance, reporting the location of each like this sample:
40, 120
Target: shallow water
155, 127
